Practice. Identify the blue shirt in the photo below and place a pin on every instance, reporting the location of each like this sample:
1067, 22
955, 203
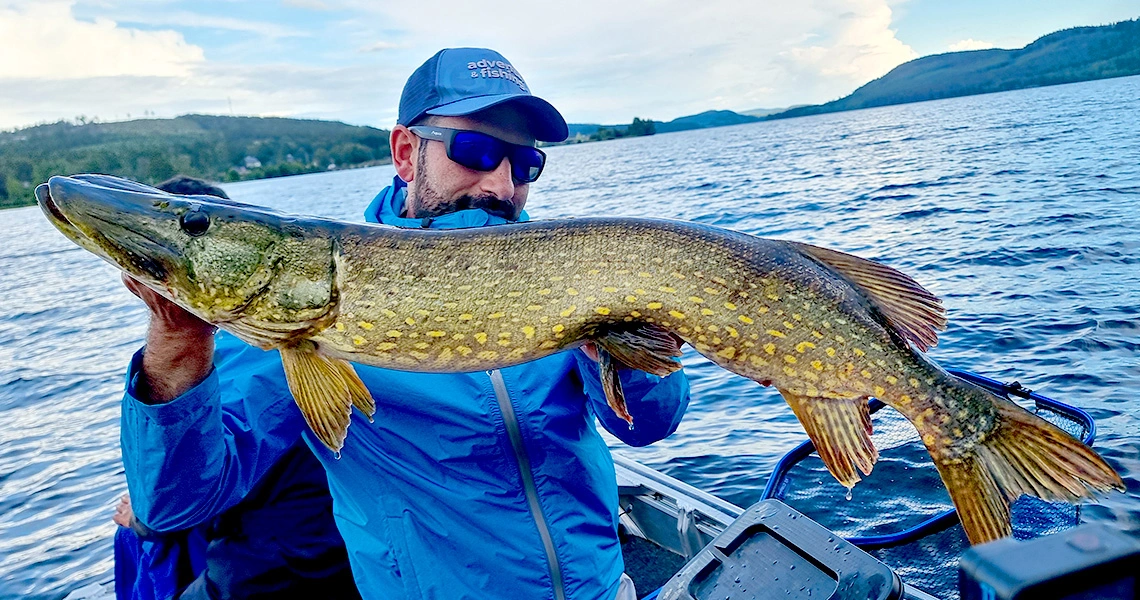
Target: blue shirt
467, 485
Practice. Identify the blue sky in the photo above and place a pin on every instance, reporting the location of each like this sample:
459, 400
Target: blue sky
597, 60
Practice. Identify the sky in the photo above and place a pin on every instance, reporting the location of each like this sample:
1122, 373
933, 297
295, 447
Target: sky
598, 61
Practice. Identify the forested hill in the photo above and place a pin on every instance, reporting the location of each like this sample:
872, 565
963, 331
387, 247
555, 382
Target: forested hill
1067, 56
211, 147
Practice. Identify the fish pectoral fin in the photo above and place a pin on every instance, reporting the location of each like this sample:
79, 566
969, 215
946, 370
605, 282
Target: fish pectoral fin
641, 346
611, 385
912, 311
1024, 454
841, 432
325, 390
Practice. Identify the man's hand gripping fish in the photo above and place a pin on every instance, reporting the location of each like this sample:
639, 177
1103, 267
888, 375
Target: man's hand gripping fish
827, 329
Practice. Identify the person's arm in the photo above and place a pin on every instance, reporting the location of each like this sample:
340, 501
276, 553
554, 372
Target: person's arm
194, 443
656, 403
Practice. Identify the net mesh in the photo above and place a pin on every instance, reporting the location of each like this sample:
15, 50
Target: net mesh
905, 491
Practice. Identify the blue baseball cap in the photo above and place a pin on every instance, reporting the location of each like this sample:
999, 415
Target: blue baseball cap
461, 81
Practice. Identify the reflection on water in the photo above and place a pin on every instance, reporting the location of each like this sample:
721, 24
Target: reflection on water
1021, 210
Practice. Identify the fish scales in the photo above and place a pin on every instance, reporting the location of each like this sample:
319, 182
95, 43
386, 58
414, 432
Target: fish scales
827, 329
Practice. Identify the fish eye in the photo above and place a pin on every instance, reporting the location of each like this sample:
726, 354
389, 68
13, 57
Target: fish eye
194, 222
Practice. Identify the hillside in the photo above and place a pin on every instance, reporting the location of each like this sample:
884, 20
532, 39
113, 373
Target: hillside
211, 147
1067, 56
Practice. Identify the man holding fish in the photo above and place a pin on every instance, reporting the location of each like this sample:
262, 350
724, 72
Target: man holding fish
492, 484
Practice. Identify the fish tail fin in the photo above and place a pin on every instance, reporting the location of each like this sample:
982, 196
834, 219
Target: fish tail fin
1023, 454
840, 429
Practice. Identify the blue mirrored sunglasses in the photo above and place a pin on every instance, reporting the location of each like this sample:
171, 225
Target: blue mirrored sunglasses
482, 152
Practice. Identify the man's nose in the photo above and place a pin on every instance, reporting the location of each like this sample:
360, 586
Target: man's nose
499, 182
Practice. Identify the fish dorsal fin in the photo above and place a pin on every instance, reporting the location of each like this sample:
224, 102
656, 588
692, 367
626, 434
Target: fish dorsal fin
912, 311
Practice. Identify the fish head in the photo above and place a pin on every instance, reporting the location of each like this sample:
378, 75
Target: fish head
224, 261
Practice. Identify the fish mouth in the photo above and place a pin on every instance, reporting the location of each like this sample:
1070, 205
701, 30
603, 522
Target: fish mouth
111, 221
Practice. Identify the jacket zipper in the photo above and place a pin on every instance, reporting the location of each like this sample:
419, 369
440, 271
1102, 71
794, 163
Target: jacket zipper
510, 419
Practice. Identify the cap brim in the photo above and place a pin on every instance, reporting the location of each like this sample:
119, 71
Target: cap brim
547, 124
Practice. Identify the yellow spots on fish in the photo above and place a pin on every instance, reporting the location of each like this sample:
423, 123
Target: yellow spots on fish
569, 310
557, 277
666, 289
712, 291
772, 297
678, 275
830, 351
879, 391
817, 335
928, 439
876, 347
745, 319
417, 354
775, 333
957, 432
439, 319
789, 371
609, 289
788, 358
548, 344
466, 317
703, 347
905, 400
913, 382
640, 292
534, 307
410, 321
437, 333
696, 299
528, 331
544, 292
464, 288
365, 325
859, 352
385, 346
445, 354
463, 350
757, 361
730, 306
480, 301
728, 352
340, 326
891, 379
421, 345
481, 337
684, 330
706, 312
635, 314
645, 275
558, 328
459, 336
497, 315
602, 310
422, 313
802, 346
653, 305
732, 332
631, 298
770, 348
865, 373
797, 317
488, 355
841, 339
677, 314
514, 294
504, 338
789, 325
571, 292
393, 333
358, 340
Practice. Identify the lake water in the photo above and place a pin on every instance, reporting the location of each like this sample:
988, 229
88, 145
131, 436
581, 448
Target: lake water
1020, 209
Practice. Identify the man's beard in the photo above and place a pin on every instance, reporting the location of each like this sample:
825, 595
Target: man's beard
430, 203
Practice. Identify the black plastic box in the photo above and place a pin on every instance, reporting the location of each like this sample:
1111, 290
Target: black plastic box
1088, 562
774, 552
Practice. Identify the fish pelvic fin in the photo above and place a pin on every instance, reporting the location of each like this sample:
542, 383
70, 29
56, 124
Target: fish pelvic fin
1023, 454
641, 346
912, 312
841, 430
611, 385
325, 390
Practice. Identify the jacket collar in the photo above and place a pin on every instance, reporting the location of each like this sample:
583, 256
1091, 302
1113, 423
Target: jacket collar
386, 207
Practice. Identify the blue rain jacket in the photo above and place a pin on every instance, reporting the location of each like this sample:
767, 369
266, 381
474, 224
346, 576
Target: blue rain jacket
470, 485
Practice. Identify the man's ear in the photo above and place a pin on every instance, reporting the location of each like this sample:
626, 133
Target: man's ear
404, 145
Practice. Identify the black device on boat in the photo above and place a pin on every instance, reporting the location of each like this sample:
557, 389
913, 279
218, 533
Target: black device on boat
1088, 562
774, 552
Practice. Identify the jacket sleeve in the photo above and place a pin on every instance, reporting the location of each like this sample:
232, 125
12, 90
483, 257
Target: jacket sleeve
656, 403
190, 459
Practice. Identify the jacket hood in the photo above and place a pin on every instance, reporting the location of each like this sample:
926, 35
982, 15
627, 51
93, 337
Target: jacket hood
386, 207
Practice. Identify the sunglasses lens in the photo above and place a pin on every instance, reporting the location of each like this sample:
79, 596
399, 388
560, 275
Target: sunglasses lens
527, 163
476, 151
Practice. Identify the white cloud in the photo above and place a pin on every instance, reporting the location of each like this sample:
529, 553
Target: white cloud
379, 47
44, 41
970, 44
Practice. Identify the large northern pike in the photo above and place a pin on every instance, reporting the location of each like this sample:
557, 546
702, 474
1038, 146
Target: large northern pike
827, 329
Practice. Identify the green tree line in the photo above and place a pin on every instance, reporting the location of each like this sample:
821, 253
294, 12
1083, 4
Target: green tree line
211, 147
